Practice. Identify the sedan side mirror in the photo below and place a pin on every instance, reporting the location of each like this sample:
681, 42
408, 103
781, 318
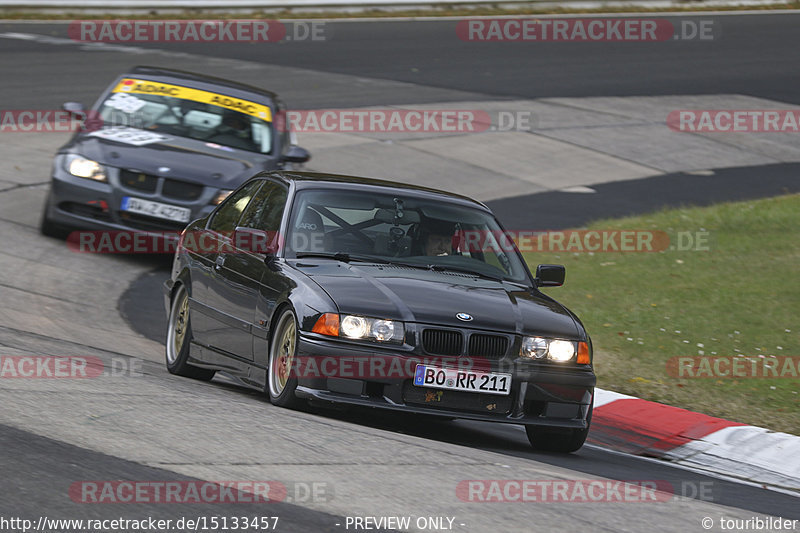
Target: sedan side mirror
76, 108
550, 275
256, 241
295, 154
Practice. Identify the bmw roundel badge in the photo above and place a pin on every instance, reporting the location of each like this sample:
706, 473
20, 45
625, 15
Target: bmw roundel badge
464, 317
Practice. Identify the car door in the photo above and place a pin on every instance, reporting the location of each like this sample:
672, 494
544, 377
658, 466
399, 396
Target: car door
241, 268
274, 283
212, 325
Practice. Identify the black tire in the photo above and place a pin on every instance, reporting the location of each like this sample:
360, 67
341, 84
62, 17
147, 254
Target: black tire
281, 383
558, 440
48, 228
179, 337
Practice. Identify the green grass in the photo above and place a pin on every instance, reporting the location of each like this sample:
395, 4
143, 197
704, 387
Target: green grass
742, 296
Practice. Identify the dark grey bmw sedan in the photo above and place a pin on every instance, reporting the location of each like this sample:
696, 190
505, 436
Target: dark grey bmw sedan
162, 147
366, 292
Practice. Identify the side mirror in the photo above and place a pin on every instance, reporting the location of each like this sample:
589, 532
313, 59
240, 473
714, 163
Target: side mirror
295, 154
256, 241
76, 108
550, 275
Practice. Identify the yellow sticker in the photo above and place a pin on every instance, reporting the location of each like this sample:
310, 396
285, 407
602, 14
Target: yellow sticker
133, 86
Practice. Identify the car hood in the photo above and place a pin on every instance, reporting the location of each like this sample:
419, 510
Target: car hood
187, 159
414, 295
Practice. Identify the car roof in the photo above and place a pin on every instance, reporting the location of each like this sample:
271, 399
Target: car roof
200, 81
322, 180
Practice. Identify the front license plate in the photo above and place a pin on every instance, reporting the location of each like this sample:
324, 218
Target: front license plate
462, 380
156, 209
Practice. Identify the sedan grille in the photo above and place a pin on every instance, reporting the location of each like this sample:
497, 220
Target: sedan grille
138, 181
442, 341
491, 346
182, 190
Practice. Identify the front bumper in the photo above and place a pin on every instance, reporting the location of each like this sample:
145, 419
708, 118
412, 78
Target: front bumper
86, 204
542, 396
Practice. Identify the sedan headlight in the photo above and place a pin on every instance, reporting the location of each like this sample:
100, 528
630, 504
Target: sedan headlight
556, 350
85, 168
360, 328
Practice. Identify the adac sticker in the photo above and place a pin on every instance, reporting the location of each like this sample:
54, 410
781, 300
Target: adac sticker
135, 86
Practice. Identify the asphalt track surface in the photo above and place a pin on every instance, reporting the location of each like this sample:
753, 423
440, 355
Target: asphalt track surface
54, 462
755, 55
750, 54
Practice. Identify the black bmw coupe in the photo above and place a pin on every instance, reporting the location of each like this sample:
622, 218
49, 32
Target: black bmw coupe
360, 291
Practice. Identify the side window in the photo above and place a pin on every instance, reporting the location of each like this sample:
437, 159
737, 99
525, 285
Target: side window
266, 209
284, 127
227, 216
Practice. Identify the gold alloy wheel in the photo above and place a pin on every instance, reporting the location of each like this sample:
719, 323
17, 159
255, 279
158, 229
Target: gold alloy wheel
179, 322
283, 354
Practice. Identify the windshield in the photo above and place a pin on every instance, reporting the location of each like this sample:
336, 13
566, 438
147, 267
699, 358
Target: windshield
401, 229
220, 121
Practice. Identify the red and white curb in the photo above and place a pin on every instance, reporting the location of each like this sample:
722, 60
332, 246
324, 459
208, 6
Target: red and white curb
632, 425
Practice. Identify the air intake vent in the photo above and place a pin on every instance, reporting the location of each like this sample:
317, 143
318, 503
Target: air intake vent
442, 342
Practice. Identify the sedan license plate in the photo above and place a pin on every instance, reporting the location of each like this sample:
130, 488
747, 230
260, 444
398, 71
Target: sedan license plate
462, 380
156, 209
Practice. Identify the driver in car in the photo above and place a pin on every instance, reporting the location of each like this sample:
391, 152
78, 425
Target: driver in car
438, 238
234, 131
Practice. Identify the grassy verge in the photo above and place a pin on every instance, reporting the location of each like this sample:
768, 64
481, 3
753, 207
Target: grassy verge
740, 298
434, 11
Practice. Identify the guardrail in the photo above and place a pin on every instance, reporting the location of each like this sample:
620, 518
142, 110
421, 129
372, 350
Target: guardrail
273, 4
351, 5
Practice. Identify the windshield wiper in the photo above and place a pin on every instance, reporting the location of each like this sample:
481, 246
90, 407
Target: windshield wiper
464, 270
344, 257
339, 256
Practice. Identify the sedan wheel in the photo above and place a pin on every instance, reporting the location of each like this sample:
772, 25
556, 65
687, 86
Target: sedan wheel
179, 337
281, 384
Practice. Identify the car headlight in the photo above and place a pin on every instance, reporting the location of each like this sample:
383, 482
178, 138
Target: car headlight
533, 347
85, 168
354, 327
556, 350
561, 351
360, 328
221, 195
